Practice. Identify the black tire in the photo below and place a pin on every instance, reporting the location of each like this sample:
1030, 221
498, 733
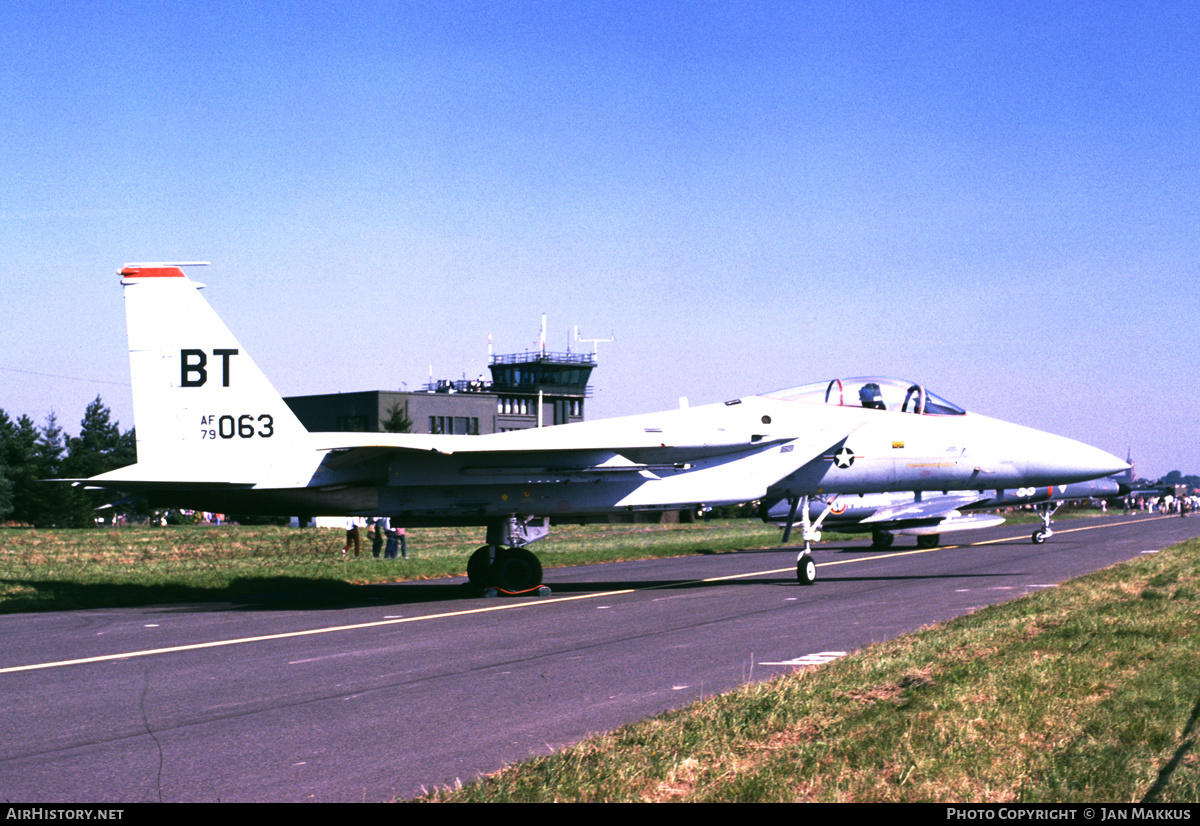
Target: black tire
1039, 536
806, 570
479, 567
929, 540
516, 570
882, 539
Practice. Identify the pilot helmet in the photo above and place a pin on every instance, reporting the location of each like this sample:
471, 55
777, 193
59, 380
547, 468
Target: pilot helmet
871, 396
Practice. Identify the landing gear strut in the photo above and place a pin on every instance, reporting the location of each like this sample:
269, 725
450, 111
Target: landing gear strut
1044, 511
504, 563
806, 568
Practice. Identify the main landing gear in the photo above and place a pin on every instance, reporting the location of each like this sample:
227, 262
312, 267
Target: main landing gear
512, 570
1044, 511
504, 564
806, 567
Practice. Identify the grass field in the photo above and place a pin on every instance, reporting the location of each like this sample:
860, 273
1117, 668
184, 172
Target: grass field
66, 569
1084, 693
53, 570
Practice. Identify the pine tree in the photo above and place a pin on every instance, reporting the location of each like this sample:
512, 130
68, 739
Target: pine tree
99, 447
52, 504
397, 420
30, 457
17, 443
6, 491
6, 476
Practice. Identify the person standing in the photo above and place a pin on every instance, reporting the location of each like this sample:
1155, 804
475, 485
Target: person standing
381, 528
352, 536
396, 542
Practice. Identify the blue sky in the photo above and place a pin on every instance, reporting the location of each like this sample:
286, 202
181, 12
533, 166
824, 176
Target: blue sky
999, 200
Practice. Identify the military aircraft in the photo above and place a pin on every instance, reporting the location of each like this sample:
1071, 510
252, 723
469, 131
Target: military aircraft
888, 515
213, 434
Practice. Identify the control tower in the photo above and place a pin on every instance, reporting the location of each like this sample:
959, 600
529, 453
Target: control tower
540, 388
530, 389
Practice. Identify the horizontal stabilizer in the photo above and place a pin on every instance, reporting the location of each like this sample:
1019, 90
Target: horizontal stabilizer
140, 485
143, 476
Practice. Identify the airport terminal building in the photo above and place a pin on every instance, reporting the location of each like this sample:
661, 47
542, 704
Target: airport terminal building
536, 389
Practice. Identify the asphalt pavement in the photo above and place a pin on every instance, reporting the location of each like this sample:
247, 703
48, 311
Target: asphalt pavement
417, 685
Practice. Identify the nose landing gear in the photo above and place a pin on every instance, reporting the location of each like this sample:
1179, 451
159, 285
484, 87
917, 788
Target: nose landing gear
1044, 511
806, 567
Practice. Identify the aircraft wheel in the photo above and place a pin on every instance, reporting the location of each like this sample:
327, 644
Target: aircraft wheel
806, 570
882, 539
479, 567
1039, 536
929, 540
516, 570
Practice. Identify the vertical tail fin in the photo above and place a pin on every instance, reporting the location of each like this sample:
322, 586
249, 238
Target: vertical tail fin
202, 409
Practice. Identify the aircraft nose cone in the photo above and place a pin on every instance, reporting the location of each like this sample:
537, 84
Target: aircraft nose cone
1066, 460
1017, 456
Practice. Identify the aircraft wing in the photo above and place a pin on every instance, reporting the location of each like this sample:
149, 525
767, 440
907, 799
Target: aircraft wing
655, 466
713, 429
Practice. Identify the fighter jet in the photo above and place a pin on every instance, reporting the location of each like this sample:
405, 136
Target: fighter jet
888, 515
213, 434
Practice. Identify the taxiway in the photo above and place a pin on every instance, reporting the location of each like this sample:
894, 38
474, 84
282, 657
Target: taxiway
420, 684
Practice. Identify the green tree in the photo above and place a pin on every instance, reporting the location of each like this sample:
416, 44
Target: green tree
18, 441
6, 475
6, 490
53, 503
99, 447
32, 457
397, 420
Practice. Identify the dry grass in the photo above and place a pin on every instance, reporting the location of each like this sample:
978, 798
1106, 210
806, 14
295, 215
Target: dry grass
1085, 693
64, 569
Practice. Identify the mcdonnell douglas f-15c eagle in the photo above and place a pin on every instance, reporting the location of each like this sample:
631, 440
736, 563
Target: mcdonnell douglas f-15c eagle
213, 434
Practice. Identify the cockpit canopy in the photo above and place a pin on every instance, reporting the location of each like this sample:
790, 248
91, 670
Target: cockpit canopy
872, 392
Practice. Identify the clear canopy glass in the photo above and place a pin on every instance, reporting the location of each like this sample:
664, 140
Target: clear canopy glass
872, 392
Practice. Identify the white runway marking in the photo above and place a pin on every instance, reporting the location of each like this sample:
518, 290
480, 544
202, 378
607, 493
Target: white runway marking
811, 659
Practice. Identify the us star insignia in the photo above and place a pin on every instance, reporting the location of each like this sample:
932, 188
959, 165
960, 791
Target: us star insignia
844, 457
